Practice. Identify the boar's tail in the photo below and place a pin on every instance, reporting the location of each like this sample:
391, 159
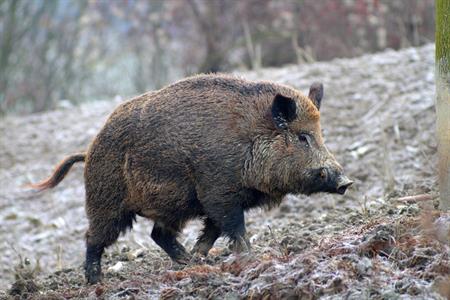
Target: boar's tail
60, 172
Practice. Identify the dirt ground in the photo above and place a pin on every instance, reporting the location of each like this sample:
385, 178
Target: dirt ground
378, 118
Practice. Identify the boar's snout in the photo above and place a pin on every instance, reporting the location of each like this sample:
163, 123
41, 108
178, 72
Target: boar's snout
342, 184
331, 180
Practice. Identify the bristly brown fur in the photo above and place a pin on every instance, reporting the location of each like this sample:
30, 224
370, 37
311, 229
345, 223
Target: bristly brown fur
60, 172
210, 147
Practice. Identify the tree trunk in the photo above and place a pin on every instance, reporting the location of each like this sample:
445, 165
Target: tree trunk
6, 49
443, 98
208, 24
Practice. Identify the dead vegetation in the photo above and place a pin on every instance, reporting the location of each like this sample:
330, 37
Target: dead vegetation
388, 254
384, 240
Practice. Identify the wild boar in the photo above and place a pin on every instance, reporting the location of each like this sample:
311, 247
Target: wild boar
210, 147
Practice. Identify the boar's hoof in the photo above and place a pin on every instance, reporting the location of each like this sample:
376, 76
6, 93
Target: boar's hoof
201, 249
93, 273
183, 259
240, 244
197, 259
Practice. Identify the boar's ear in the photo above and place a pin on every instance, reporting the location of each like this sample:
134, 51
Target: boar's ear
316, 93
284, 110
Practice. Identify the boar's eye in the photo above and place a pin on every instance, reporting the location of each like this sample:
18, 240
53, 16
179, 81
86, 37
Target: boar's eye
305, 139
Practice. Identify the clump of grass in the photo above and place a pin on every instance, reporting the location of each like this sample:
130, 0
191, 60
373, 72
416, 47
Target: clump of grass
364, 207
25, 283
284, 252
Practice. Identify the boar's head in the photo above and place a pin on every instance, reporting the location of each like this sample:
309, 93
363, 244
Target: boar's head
291, 157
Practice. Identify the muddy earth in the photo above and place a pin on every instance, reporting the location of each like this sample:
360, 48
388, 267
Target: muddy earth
373, 243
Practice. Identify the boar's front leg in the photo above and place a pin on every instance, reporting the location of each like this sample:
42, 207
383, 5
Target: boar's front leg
227, 213
166, 239
206, 240
234, 228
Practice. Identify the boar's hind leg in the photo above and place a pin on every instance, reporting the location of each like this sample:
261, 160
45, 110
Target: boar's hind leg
93, 263
166, 239
105, 226
206, 240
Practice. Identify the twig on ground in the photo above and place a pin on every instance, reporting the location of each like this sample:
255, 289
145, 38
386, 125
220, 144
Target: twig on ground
415, 198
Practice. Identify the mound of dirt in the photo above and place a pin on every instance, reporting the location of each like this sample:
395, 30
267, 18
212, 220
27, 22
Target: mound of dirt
378, 118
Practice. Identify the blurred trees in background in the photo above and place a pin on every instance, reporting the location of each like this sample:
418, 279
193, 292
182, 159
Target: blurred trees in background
40, 50
52, 50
